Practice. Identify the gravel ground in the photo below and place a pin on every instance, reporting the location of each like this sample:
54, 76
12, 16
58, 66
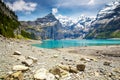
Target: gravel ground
101, 62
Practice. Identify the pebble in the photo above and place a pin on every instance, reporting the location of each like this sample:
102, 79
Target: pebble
20, 68
33, 58
80, 67
107, 63
15, 76
17, 53
28, 62
43, 74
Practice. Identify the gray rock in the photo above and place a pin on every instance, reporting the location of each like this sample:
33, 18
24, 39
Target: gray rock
28, 62
33, 58
58, 71
17, 53
107, 63
64, 67
80, 67
20, 68
73, 70
15, 76
43, 74
40, 74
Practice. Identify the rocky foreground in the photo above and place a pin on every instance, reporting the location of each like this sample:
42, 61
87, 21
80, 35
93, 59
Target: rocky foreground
21, 61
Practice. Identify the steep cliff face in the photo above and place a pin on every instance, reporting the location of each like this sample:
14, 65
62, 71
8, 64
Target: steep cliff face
107, 23
8, 21
47, 27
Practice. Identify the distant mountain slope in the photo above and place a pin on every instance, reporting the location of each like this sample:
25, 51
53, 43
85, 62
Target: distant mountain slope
8, 21
107, 23
47, 27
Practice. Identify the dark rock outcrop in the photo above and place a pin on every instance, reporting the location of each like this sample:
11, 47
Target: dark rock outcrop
47, 27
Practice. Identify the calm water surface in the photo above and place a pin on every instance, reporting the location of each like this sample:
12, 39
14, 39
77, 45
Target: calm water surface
75, 43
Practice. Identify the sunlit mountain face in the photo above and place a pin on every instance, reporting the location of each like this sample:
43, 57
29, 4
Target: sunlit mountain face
32, 9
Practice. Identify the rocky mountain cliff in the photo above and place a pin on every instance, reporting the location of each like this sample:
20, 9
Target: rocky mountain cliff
50, 27
8, 21
47, 27
107, 23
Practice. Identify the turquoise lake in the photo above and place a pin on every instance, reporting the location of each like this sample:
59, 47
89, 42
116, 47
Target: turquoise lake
76, 43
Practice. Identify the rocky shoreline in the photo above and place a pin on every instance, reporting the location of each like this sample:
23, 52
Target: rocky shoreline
21, 61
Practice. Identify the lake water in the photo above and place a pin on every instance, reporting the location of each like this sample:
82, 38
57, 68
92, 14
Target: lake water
75, 43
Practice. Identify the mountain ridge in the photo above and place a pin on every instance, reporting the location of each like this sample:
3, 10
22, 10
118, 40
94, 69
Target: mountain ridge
107, 23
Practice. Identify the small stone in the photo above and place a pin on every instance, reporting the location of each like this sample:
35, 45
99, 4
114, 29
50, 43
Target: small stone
107, 63
20, 68
40, 74
55, 71
18, 75
87, 59
59, 71
83, 59
96, 73
73, 70
9, 73
117, 70
17, 53
15, 76
50, 76
28, 62
3, 77
33, 58
64, 67
55, 56
64, 73
80, 67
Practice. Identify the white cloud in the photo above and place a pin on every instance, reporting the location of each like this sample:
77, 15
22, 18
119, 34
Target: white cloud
54, 10
74, 3
21, 5
91, 2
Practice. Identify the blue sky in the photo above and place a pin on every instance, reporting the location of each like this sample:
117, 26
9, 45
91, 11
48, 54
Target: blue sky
32, 9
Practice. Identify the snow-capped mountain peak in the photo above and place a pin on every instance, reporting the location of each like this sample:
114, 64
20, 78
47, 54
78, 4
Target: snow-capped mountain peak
66, 21
108, 9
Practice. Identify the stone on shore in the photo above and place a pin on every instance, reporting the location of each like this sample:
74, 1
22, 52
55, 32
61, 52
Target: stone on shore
17, 53
33, 58
28, 62
42, 74
15, 76
80, 67
20, 68
68, 68
73, 70
64, 67
107, 63
58, 71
